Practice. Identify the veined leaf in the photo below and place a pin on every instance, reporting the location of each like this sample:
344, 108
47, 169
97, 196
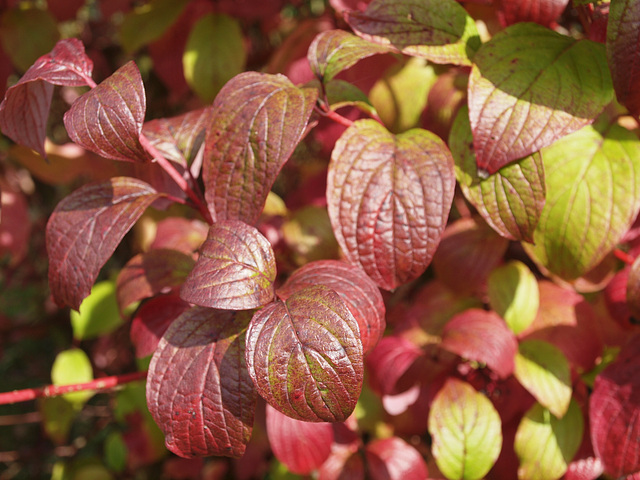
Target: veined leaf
466, 431
438, 30
305, 355
394, 459
84, 230
198, 389
389, 198
530, 86
544, 12
148, 22
235, 271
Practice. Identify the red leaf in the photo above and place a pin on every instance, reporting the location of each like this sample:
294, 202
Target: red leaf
25, 108
394, 459
301, 446
358, 291
236, 269
108, 119
177, 233
484, 337
85, 229
390, 360
544, 12
633, 289
15, 225
198, 390
305, 355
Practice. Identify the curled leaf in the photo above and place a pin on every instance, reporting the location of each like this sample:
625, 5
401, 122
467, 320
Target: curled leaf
394, 459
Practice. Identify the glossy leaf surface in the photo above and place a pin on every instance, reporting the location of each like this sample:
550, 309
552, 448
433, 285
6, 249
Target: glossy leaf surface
394, 459
235, 271
198, 389
389, 198
305, 355
514, 294
85, 229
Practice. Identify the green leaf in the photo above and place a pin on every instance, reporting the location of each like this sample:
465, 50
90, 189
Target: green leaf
213, 55
530, 86
58, 415
593, 195
148, 22
342, 94
438, 30
98, 314
543, 370
466, 431
71, 367
511, 200
545, 444
514, 295
115, 452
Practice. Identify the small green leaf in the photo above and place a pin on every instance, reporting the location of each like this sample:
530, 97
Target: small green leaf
71, 367
98, 314
58, 414
514, 295
148, 22
341, 94
115, 452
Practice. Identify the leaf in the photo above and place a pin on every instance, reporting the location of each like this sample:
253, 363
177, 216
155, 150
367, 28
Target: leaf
440, 31
198, 390
388, 199
593, 196
530, 86
510, 200
108, 119
84, 230
305, 355
333, 51
633, 289
25, 107
544, 12
392, 358
545, 444
481, 336
179, 233
98, 313
148, 22
70, 367
341, 93
258, 121
623, 52
236, 269
358, 291
394, 459
301, 446
543, 370
466, 431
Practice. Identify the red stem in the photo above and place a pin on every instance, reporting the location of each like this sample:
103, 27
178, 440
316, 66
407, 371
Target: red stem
55, 390
624, 256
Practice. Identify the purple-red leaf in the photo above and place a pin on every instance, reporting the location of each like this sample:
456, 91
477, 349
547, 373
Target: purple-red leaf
389, 198
235, 271
633, 289
25, 108
391, 359
359, 292
305, 355
394, 459
544, 12
198, 389
258, 120
108, 119
85, 229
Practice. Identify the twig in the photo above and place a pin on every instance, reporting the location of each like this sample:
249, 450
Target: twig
624, 256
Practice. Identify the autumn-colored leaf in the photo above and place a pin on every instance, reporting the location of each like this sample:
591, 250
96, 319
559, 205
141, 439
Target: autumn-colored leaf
198, 389
394, 459
544, 12
182, 234
391, 359
15, 225
633, 289
305, 355
85, 229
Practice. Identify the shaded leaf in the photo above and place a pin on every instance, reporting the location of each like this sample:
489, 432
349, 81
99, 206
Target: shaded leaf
15, 224
258, 121
108, 119
148, 22
391, 359
84, 230
440, 31
235, 271
308, 234
305, 355
530, 86
394, 459
544, 12
389, 198
178, 233
98, 313
198, 389
341, 93
466, 431
633, 289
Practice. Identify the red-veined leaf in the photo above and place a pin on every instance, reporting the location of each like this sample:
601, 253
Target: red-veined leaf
258, 120
305, 355
530, 86
394, 459
198, 389
108, 119
84, 230
389, 198
236, 269
544, 12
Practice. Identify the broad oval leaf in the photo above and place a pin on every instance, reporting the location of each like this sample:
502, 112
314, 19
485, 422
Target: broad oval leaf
438, 30
530, 86
70, 367
258, 121
466, 431
510, 200
108, 119
84, 230
354, 286
544, 12
389, 199
394, 459
593, 196
236, 269
305, 356
198, 389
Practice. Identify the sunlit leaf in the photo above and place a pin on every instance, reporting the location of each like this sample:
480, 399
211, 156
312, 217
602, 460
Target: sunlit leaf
544, 12
148, 22
394, 459
98, 314
71, 367
514, 295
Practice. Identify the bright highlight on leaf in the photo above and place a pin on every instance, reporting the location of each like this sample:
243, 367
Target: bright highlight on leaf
514, 295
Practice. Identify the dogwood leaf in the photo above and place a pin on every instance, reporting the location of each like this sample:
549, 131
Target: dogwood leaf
198, 389
305, 355
393, 458
389, 199
84, 230
544, 12
633, 289
530, 86
514, 295
392, 358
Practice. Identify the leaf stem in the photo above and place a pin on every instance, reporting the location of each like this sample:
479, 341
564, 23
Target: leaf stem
336, 117
624, 256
